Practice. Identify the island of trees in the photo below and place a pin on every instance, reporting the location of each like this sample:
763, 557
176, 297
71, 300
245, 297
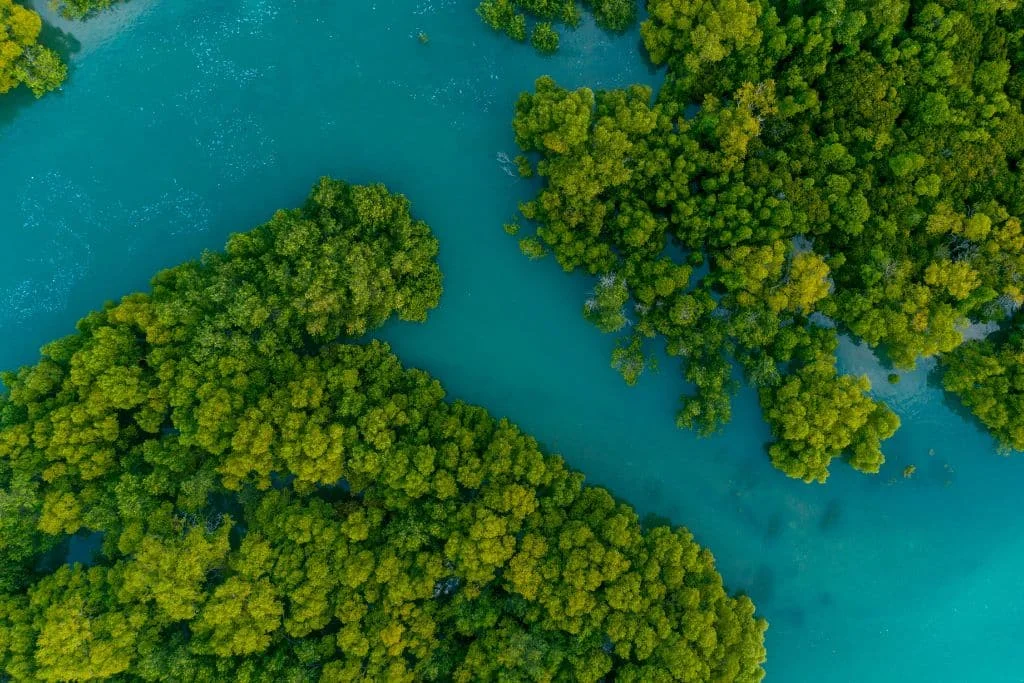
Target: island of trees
82, 9
511, 18
271, 504
806, 169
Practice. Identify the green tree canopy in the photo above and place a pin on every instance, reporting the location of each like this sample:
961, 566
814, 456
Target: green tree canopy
839, 167
275, 505
23, 61
82, 9
988, 376
511, 16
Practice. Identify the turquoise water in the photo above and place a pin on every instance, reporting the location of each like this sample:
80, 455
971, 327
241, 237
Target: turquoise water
182, 122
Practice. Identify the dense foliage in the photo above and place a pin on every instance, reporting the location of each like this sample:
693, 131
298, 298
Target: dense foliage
838, 163
81, 9
276, 506
988, 376
23, 61
510, 17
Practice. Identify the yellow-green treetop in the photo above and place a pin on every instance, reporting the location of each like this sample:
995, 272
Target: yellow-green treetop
23, 61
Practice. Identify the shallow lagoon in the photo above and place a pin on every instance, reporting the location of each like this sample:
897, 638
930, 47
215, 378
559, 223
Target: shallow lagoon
183, 122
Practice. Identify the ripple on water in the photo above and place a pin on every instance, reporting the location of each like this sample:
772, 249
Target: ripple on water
57, 224
176, 213
56, 218
434, 6
457, 96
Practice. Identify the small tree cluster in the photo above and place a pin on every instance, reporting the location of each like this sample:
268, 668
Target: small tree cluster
510, 18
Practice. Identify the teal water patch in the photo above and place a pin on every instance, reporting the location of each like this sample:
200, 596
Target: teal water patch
183, 122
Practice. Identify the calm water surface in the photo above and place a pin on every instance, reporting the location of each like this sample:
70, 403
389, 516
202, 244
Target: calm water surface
183, 122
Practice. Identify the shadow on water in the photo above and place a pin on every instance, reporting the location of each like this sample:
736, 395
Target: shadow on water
881, 352
956, 406
11, 104
652, 520
762, 588
13, 101
953, 402
744, 478
61, 42
742, 488
652, 491
752, 516
773, 528
81, 548
831, 516
759, 587
792, 616
652, 68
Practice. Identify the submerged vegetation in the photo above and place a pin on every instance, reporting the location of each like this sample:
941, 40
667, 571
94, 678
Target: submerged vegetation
836, 165
275, 505
510, 17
